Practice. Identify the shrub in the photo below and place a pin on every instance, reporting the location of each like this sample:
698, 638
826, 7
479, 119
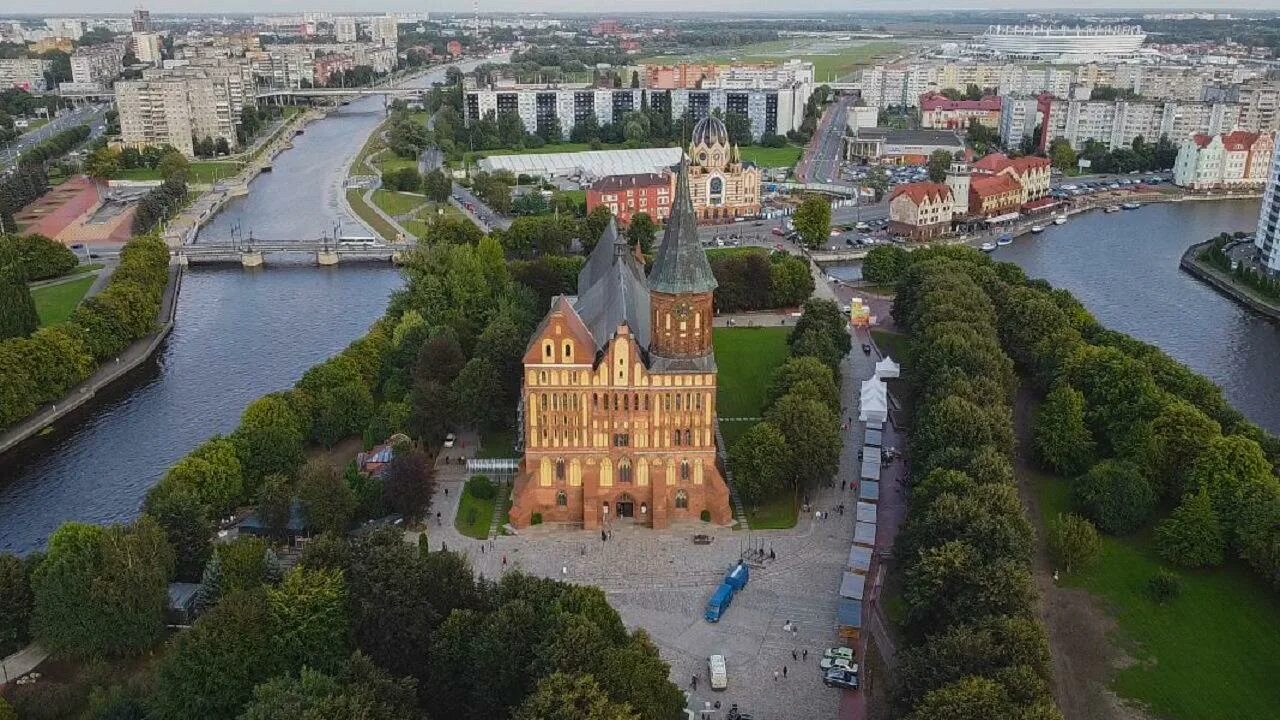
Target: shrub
481, 487
705, 516
1073, 542
1192, 536
1116, 496
1164, 586
535, 519
47, 701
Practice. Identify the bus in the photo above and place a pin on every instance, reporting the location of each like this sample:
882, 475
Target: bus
357, 241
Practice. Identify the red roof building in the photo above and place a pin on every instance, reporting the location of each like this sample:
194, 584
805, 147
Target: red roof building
940, 112
1031, 172
626, 195
992, 195
921, 211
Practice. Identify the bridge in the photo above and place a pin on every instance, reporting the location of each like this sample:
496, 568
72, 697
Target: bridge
326, 252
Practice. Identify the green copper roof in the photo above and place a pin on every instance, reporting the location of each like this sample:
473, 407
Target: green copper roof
681, 265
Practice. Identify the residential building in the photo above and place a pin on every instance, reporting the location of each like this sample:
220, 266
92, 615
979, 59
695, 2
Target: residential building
768, 111
1031, 172
626, 195
921, 211
721, 186
694, 76
327, 66
1116, 123
71, 28
23, 73
1267, 236
1234, 160
147, 47
899, 147
940, 112
1018, 119
618, 404
175, 106
384, 31
97, 63
345, 30
683, 76
993, 196
140, 21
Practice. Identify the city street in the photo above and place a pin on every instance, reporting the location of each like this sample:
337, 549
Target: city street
821, 162
92, 115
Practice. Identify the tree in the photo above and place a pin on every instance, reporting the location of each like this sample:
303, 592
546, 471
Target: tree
641, 231
1192, 536
1061, 439
341, 412
878, 180
578, 697
102, 164
939, 163
594, 224
1228, 469
362, 690
476, 389
408, 484
759, 462
812, 220
1062, 155
825, 317
187, 528
43, 258
790, 282
16, 602
812, 432
328, 503
275, 503
979, 698
437, 186
269, 439
952, 583
885, 264
739, 127
804, 369
1115, 495
308, 618
1073, 542
214, 473
221, 147
1180, 434
18, 317
102, 591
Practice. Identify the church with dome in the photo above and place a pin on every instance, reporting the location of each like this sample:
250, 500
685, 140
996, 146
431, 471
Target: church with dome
721, 186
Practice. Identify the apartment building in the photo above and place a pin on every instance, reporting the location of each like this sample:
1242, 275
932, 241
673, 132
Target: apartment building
147, 46
384, 31
24, 73
939, 112
1117, 122
295, 65
99, 64
1234, 160
773, 111
1267, 236
1018, 119
174, 106
345, 30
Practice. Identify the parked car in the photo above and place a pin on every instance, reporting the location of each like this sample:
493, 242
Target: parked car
450, 440
841, 678
828, 663
719, 672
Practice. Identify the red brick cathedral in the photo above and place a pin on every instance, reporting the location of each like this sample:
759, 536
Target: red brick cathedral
620, 390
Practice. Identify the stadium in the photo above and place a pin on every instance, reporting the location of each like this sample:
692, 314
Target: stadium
1045, 41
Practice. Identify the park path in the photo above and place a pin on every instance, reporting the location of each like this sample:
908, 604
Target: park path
21, 662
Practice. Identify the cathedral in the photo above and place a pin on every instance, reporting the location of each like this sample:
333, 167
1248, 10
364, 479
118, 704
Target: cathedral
722, 187
619, 397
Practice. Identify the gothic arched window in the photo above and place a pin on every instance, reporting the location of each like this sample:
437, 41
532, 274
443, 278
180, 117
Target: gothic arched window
562, 500
682, 500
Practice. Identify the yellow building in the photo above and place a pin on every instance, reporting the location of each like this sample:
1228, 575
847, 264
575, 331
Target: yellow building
721, 186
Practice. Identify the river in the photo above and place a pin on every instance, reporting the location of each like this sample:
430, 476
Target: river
238, 335
1124, 268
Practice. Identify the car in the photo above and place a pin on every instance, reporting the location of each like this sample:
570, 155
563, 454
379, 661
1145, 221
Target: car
450, 440
719, 672
841, 678
828, 663
866, 348
838, 651
850, 242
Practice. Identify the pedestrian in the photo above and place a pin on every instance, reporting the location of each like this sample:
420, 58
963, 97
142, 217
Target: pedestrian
446, 492
771, 555
793, 653
504, 561
842, 482
603, 537
775, 676
805, 654
437, 518
694, 682
784, 671
481, 548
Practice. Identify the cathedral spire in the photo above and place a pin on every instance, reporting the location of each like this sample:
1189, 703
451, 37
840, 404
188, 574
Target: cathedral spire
681, 266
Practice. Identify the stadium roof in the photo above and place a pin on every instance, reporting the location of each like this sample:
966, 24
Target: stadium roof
590, 163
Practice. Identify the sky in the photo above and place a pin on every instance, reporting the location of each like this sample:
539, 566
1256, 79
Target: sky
48, 7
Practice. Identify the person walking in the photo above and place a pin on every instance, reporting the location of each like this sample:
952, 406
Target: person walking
793, 654
775, 676
694, 682
784, 671
805, 654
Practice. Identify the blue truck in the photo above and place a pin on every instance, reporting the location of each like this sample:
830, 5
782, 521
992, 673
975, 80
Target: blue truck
734, 580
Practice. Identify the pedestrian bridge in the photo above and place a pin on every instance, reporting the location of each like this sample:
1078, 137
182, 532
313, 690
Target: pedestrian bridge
324, 251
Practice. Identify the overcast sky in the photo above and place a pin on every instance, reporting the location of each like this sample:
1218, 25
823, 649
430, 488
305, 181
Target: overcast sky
213, 6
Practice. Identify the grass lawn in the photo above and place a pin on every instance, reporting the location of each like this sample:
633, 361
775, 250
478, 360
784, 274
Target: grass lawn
416, 227
82, 269
396, 203
201, 172
767, 157
827, 61
747, 358
474, 516
366, 213
389, 161
778, 513
55, 303
1211, 653
893, 344
372, 145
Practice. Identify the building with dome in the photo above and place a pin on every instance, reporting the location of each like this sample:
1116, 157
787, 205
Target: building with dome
721, 186
618, 405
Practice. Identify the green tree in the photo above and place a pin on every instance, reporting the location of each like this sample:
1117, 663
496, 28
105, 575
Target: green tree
437, 186
1073, 542
885, 264
1192, 536
269, 439
878, 180
759, 462
952, 582
1228, 469
939, 163
476, 389
1062, 155
812, 433
187, 528
408, 484
978, 698
18, 316
213, 471
102, 164
594, 224
328, 503
18, 390
578, 697
812, 219
1180, 435
16, 602
1061, 439
1119, 392
174, 165
244, 564
1115, 495
43, 258
362, 690
275, 503
800, 369
309, 621
641, 232
790, 282
102, 591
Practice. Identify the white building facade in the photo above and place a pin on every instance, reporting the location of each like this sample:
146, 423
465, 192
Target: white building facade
1267, 237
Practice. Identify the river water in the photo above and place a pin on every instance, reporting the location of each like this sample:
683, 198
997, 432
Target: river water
239, 334
1124, 268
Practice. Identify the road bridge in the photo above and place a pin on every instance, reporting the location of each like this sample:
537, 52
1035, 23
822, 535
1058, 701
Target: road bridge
325, 252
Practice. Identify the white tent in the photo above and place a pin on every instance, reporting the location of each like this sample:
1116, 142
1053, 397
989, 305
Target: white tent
874, 402
887, 368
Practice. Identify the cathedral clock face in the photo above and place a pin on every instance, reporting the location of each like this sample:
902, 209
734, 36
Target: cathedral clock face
683, 310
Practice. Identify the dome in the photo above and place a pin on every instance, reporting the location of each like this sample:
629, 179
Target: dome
710, 130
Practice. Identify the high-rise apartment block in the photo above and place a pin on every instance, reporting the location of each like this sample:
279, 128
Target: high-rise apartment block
97, 64
147, 47
384, 31
23, 73
345, 30
1267, 238
178, 106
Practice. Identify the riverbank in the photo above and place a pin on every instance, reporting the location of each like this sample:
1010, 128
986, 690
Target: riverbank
129, 359
1226, 285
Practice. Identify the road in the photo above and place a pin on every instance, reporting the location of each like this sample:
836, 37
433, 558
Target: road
821, 162
92, 115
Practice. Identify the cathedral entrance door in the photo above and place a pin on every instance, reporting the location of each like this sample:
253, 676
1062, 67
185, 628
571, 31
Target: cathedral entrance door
626, 506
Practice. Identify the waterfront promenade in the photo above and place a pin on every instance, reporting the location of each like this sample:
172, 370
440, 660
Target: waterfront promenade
1225, 284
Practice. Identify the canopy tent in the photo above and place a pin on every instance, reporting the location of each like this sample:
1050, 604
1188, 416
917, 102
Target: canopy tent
874, 402
869, 491
852, 585
859, 559
870, 463
874, 438
887, 368
866, 512
849, 614
864, 533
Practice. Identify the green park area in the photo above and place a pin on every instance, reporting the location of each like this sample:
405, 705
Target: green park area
200, 172
55, 303
1199, 656
830, 58
770, 157
356, 199
746, 358
397, 203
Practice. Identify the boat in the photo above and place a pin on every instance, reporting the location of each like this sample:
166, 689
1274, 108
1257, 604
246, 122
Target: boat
987, 247
1112, 208
1037, 229
1131, 206
1005, 239
1060, 220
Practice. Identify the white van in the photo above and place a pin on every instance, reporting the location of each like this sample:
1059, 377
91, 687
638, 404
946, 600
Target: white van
719, 672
